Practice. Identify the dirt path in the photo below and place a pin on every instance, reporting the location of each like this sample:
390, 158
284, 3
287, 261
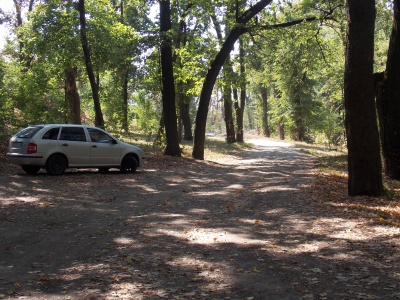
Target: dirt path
244, 227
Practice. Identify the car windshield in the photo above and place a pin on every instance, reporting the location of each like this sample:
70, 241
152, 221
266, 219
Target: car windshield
28, 132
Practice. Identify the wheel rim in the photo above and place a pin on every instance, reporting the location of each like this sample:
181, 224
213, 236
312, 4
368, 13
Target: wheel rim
129, 165
57, 165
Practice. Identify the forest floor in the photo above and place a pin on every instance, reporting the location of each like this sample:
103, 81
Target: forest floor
263, 223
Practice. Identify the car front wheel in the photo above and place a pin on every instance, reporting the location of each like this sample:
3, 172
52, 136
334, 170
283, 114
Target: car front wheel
56, 164
129, 164
31, 170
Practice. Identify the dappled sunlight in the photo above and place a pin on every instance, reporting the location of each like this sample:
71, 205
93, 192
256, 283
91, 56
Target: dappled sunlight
124, 240
275, 189
238, 228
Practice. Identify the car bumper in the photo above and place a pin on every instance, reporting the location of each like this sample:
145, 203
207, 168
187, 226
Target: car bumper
25, 159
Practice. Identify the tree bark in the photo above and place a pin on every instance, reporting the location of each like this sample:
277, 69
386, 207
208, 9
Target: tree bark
239, 106
212, 74
388, 102
125, 125
167, 78
265, 126
228, 114
72, 96
227, 89
185, 122
99, 121
364, 162
281, 129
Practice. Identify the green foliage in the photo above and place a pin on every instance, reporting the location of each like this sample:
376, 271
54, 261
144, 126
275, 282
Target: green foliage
301, 67
145, 113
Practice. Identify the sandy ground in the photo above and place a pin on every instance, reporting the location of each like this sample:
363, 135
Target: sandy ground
243, 227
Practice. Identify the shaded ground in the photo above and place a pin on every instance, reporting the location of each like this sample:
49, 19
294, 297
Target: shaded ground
245, 227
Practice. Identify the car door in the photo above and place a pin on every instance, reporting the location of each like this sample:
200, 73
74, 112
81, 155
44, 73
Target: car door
73, 142
104, 150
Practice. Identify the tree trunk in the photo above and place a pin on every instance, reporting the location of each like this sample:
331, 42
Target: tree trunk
228, 113
184, 100
125, 126
264, 96
125, 123
388, 102
227, 89
167, 78
239, 106
99, 121
186, 122
72, 96
212, 74
281, 129
18, 11
364, 162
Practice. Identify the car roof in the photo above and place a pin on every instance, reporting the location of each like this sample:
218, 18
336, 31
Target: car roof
63, 125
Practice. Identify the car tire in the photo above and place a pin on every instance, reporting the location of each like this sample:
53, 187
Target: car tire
129, 164
56, 164
31, 170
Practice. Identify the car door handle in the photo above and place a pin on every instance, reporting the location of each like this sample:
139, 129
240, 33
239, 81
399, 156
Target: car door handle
94, 146
65, 144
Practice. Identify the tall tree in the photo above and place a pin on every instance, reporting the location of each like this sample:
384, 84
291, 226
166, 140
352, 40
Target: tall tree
212, 74
388, 101
184, 100
240, 103
167, 78
227, 89
364, 161
99, 120
72, 96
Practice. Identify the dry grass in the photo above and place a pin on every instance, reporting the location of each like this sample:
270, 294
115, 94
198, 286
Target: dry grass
330, 190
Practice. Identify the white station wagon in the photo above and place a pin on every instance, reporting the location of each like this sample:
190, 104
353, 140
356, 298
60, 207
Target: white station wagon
57, 147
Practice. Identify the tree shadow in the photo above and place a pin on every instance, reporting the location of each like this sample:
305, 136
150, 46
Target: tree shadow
184, 229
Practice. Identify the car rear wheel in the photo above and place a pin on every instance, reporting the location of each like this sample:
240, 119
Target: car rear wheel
56, 164
31, 170
129, 164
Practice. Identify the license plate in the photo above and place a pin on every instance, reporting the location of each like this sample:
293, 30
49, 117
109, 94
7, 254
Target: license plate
16, 144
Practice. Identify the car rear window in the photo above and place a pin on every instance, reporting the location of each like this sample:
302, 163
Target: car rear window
28, 132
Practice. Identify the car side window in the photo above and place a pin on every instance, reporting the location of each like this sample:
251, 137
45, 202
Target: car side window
51, 134
73, 134
98, 136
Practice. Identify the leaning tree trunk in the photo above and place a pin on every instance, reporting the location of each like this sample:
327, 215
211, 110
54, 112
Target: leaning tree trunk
99, 121
388, 102
168, 87
72, 96
364, 161
212, 74
227, 89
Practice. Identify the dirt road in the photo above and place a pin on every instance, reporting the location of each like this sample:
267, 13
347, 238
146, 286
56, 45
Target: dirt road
242, 227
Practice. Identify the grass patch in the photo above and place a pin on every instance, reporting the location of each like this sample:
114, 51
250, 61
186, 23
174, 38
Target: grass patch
214, 147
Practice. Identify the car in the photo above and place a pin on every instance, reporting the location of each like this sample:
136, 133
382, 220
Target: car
57, 147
